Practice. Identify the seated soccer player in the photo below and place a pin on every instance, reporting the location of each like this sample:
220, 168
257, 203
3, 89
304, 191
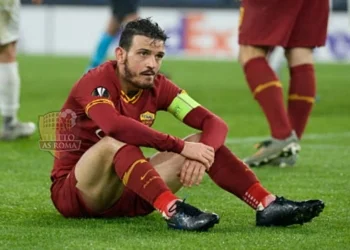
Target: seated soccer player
108, 176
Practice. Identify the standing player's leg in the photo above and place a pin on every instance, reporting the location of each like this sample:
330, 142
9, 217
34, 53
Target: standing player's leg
299, 51
276, 60
9, 75
266, 89
302, 87
105, 41
111, 169
258, 33
122, 12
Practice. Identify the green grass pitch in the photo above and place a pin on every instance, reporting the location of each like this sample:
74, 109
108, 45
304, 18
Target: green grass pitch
28, 219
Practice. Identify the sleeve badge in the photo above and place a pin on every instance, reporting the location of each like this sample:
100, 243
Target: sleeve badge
101, 92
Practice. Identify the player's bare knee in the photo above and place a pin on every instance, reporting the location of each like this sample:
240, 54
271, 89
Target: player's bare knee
193, 137
247, 52
298, 56
110, 146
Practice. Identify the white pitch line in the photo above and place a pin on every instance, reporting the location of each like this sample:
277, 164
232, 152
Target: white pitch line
255, 139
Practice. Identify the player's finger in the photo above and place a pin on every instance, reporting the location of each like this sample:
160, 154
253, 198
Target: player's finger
183, 171
210, 149
200, 175
207, 159
209, 154
205, 162
212, 161
206, 146
195, 173
188, 175
199, 157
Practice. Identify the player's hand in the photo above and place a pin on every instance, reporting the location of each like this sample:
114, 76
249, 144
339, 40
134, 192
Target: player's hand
192, 173
37, 1
199, 152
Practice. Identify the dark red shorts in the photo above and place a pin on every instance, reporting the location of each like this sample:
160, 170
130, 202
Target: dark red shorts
68, 201
287, 23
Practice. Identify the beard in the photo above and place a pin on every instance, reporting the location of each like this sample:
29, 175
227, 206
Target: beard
132, 78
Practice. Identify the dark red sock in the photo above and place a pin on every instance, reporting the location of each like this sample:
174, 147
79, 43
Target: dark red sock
302, 91
139, 175
267, 90
232, 175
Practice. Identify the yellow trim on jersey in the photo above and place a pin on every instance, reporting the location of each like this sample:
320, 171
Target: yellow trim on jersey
296, 97
133, 99
261, 87
181, 105
128, 173
97, 101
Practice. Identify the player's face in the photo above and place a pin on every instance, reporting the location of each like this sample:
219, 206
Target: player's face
142, 61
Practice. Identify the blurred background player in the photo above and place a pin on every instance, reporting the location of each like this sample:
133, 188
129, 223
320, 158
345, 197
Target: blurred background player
349, 11
9, 75
122, 12
290, 24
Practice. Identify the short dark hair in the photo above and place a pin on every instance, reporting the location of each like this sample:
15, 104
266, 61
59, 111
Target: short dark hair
143, 27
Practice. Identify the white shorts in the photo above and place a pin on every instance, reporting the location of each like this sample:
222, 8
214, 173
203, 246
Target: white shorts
9, 21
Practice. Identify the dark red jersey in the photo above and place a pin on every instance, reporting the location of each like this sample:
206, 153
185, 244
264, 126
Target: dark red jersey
96, 106
99, 106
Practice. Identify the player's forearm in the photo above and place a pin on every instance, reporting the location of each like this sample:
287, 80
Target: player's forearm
214, 132
214, 129
132, 132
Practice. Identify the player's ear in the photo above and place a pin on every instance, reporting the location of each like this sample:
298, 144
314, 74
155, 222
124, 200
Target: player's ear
120, 54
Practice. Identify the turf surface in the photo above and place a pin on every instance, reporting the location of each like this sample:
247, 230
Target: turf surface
28, 219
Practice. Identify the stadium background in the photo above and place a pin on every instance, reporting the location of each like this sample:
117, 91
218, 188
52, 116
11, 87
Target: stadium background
56, 42
196, 28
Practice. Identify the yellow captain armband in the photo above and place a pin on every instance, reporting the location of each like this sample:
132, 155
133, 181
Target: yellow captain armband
182, 105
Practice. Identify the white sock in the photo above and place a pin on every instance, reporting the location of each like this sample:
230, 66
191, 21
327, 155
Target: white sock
276, 59
9, 90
